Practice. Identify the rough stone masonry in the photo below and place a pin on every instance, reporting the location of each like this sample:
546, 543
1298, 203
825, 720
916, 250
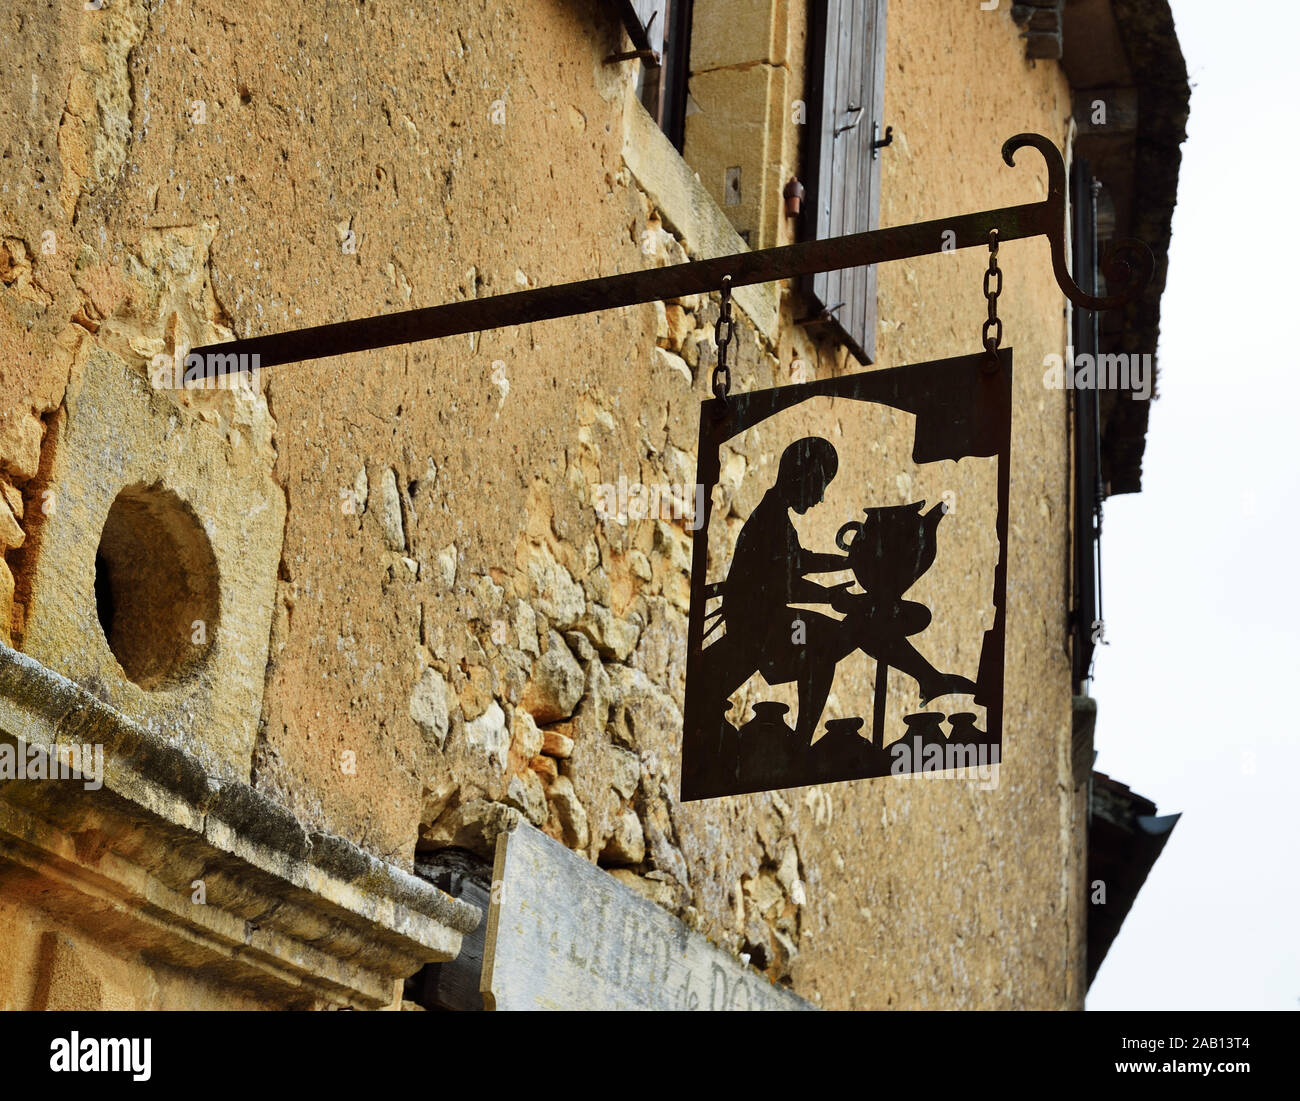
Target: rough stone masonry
421, 625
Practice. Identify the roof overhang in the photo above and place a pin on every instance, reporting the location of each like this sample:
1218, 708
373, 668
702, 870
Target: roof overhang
1125, 838
1126, 53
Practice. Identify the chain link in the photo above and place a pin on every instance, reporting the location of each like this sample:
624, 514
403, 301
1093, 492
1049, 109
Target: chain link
993, 326
723, 330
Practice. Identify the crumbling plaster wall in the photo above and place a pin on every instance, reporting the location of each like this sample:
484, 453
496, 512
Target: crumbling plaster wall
455, 632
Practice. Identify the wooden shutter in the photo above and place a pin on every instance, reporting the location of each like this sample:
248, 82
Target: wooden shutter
847, 83
645, 21
1086, 587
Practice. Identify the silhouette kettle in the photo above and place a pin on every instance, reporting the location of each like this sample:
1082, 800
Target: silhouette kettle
891, 546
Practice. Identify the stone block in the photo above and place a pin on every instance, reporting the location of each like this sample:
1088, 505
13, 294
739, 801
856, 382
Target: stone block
734, 142
738, 32
156, 574
556, 684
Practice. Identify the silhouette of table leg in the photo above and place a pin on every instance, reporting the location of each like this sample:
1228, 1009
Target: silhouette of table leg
878, 714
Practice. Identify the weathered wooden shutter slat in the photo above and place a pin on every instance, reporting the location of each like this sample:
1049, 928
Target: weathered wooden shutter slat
874, 83
841, 146
822, 153
850, 40
852, 151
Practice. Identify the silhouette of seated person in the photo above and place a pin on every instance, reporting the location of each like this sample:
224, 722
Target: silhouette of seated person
765, 634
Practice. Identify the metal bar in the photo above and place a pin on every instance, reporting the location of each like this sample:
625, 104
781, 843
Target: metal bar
1045, 218
648, 285
878, 708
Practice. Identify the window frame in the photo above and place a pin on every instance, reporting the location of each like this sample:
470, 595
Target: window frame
664, 27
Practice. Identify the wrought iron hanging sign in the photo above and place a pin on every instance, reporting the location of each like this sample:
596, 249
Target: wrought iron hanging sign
796, 677
823, 643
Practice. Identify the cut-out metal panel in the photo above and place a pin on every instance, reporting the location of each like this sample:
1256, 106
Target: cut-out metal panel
838, 632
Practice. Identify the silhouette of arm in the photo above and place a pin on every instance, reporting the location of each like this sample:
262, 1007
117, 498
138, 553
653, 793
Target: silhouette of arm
816, 562
809, 592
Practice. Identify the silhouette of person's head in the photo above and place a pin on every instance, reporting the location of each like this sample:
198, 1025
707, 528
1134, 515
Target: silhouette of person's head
807, 467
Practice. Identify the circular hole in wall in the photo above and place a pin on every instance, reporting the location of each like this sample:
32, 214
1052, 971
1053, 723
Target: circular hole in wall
156, 586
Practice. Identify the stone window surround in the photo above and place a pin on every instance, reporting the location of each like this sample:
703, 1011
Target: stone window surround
690, 212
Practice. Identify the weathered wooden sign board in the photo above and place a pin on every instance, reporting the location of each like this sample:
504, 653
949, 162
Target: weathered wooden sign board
563, 934
838, 606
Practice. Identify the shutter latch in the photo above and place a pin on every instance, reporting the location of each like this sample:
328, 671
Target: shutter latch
879, 143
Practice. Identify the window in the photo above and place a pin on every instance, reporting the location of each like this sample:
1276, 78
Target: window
740, 136
846, 89
660, 31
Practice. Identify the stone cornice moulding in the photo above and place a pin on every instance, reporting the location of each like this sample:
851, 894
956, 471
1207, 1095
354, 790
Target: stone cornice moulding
300, 918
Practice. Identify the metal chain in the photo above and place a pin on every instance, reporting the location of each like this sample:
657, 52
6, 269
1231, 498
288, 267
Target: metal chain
723, 331
993, 326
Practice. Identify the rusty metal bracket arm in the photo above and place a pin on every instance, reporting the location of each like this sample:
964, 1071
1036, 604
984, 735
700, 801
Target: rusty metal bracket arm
1128, 263
1128, 266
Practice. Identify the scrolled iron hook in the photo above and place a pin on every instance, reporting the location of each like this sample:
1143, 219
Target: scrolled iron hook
1128, 263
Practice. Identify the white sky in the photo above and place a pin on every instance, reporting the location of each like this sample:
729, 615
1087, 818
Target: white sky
1199, 570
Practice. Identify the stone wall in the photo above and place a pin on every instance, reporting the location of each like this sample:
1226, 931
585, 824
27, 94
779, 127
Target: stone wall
454, 635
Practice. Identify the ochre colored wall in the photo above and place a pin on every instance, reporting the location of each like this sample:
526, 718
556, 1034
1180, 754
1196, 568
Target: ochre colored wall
47, 966
473, 149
